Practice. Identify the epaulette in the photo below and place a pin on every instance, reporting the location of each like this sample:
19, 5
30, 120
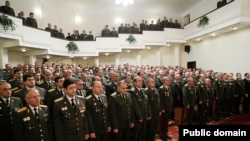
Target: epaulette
146, 89
41, 82
132, 89
186, 85
59, 99
79, 96
17, 91
22, 109
199, 82
113, 94
216, 79
161, 87
16, 88
88, 97
51, 90
103, 95
43, 106
11, 80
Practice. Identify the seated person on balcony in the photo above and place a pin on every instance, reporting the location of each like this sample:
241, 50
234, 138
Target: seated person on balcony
170, 23
7, 9
128, 29
61, 34
146, 25
114, 32
21, 16
142, 25
54, 32
121, 28
75, 36
158, 25
106, 31
177, 24
49, 29
90, 36
31, 21
68, 37
164, 22
135, 29
83, 35
151, 26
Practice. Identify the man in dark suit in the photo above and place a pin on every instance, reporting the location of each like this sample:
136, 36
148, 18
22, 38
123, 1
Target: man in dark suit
79, 88
166, 99
31, 21
112, 86
16, 79
154, 100
8, 105
29, 82
7, 9
96, 105
32, 122
47, 83
142, 110
121, 112
69, 116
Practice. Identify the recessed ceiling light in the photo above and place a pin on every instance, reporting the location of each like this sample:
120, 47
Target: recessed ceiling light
213, 34
168, 45
234, 28
198, 39
84, 58
128, 50
106, 54
47, 56
23, 50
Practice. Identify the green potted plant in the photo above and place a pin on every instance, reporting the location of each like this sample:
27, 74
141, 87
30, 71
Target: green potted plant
72, 47
203, 21
7, 23
131, 39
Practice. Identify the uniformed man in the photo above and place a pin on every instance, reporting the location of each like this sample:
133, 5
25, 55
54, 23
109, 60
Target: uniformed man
142, 110
29, 82
69, 116
79, 88
32, 122
7, 9
121, 113
210, 93
97, 110
112, 85
189, 100
239, 92
154, 100
31, 21
16, 79
8, 105
106, 31
166, 103
47, 83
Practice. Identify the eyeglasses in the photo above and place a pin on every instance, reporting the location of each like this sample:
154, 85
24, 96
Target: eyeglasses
34, 97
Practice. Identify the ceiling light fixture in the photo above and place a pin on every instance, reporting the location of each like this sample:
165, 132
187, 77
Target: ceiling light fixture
23, 50
234, 28
124, 2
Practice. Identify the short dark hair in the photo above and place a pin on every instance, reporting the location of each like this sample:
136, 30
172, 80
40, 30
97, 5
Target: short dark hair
57, 78
26, 76
68, 82
17, 70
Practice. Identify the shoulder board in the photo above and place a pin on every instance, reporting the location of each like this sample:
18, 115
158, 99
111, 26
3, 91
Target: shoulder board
88, 97
146, 89
43, 106
11, 80
113, 94
16, 88
22, 109
59, 99
103, 95
51, 90
15, 98
186, 85
161, 87
40, 82
17, 91
216, 79
132, 89
80, 96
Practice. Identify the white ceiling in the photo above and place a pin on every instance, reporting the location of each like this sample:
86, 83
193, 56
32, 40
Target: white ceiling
144, 5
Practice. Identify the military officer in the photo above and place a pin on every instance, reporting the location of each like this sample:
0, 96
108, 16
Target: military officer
112, 86
239, 92
97, 110
31, 21
47, 83
32, 122
69, 116
210, 93
189, 100
154, 100
16, 80
7, 9
121, 112
79, 88
8, 105
142, 110
166, 103
29, 82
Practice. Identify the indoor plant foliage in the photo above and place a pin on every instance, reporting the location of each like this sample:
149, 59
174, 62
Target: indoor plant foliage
72, 47
131, 39
7, 23
203, 21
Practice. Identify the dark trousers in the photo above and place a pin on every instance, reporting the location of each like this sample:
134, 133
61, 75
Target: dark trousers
152, 127
165, 119
190, 115
122, 135
99, 137
139, 131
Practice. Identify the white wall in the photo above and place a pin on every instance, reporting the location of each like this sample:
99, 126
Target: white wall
15, 58
226, 53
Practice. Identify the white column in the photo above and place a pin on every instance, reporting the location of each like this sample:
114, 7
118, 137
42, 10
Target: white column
32, 60
117, 59
176, 55
138, 58
4, 59
97, 61
158, 56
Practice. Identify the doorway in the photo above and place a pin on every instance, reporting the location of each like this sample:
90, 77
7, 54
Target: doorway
191, 65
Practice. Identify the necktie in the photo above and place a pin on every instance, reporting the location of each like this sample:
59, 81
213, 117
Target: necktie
80, 93
36, 114
49, 86
73, 103
61, 92
99, 99
7, 102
